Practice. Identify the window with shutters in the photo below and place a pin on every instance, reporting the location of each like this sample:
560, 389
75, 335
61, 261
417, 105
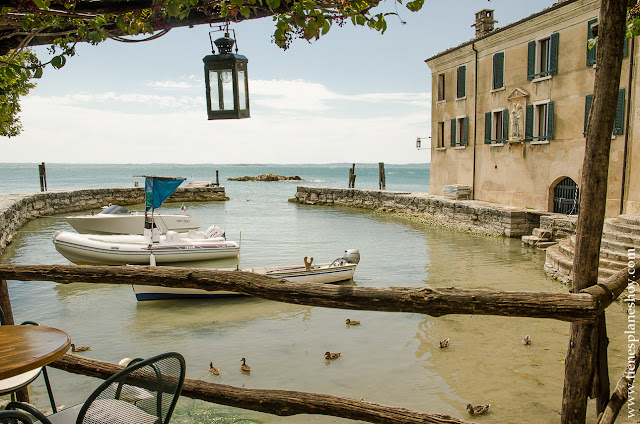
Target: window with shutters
539, 122
440, 135
496, 130
497, 79
592, 45
459, 131
618, 123
461, 86
441, 87
542, 59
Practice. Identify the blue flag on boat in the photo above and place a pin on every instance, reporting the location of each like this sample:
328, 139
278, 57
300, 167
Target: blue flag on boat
157, 189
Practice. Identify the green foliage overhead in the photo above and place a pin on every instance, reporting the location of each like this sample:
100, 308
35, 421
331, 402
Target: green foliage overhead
15, 81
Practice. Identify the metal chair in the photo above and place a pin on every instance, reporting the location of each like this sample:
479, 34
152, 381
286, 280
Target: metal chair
13, 384
145, 392
14, 417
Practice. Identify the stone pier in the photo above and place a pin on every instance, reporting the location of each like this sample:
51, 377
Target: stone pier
16, 209
464, 215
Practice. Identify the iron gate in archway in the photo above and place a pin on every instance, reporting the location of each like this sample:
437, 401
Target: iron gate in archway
566, 196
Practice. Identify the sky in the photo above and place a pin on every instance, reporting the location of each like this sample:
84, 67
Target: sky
354, 95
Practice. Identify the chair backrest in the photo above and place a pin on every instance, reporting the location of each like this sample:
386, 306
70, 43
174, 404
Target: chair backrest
145, 392
14, 417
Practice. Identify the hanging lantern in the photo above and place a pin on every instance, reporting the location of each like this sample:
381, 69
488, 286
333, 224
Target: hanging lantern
227, 83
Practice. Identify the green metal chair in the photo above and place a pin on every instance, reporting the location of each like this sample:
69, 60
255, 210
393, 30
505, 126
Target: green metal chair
13, 384
14, 417
145, 392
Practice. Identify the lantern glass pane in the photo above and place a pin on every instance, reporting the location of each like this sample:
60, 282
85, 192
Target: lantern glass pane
242, 93
214, 93
226, 81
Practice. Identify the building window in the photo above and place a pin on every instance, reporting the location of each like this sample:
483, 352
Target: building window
618, 123
440, 134
542, 57
496, 126
440, 87
459, 131
591, 51
461, 90
539, 121
498, 71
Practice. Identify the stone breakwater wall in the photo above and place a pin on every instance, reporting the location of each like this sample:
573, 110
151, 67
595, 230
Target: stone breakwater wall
464, 215
16, 209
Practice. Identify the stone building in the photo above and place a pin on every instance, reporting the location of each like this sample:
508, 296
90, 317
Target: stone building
509, 112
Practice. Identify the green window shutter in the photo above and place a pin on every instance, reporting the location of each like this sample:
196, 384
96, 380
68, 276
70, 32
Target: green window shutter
618, 124
549, 134
625, 47
462, 79
531, 60
466, 131
553, 66
505, 124
591, 52
587, 108
498, 70
528, 130
487, 128
453, 133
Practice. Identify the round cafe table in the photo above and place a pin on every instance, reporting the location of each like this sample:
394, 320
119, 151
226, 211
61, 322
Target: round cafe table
27, 347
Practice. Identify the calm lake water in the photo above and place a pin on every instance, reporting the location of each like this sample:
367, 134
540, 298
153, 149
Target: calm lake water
392, 358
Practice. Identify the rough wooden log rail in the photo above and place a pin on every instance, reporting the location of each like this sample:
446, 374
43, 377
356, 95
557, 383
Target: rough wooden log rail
621, 393
573, 307
277, 402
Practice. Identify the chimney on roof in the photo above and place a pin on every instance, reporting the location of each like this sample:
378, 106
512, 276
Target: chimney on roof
484, 22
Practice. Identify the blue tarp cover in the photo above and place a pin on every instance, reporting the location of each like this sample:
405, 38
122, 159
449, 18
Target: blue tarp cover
157, 190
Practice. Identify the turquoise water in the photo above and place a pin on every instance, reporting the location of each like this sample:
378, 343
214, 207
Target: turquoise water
392, 358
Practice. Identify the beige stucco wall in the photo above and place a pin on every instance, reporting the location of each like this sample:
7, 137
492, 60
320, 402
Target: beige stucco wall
523, 174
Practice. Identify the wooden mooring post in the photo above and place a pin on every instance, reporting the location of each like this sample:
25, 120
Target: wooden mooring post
43, 177
382, 182
217, 184
352, 176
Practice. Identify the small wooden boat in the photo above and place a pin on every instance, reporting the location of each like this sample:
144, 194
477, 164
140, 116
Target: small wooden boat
115, 219
100, 249
340, 269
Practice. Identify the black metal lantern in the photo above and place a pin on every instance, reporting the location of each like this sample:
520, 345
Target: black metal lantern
227, 83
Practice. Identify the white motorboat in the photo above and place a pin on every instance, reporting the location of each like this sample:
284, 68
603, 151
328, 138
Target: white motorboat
150, 248
341, 269
116, 219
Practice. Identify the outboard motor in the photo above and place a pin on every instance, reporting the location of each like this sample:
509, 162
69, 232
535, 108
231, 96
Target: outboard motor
352, 256
215, 231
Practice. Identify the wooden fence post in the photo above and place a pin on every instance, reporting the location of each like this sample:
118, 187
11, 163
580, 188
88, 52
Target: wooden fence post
352, 176
382, 182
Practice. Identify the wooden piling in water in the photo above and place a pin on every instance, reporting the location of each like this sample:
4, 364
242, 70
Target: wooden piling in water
382, 182
43, 177
352, 176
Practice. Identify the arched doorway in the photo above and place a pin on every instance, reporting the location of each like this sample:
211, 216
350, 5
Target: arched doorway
566, 196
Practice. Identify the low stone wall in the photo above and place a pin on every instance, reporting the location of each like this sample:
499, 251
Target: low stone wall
465, 215
16, 209
561, 226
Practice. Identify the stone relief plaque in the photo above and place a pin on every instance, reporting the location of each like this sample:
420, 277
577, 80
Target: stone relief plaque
517, 106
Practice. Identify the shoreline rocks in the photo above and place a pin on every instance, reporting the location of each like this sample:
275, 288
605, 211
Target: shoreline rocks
266, 177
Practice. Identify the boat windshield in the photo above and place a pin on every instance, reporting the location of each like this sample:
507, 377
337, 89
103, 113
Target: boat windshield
115, 210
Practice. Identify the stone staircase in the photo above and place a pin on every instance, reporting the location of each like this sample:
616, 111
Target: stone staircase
619, 235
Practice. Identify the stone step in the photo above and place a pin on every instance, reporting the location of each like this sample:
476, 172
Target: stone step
608, 259
617, 246
619, 237
533, 240
542, 233
629, 219
621, 227
545, 244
